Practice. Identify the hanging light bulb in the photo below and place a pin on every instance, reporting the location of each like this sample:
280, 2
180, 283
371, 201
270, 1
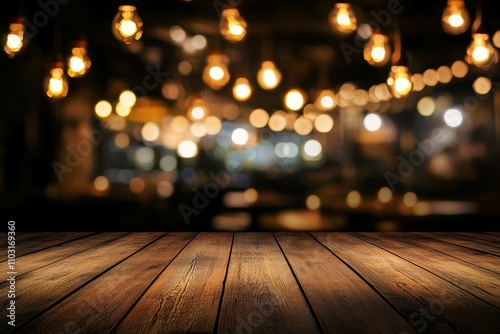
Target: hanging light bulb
232, 25
56, 83
342, 18
79, 61
399, 81
14, 41
215, 73
455, 18
295, 99
268, 76
480, 51
377, 51
242, 89
127, 24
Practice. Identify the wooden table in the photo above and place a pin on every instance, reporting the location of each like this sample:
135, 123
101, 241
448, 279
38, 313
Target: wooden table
255, 282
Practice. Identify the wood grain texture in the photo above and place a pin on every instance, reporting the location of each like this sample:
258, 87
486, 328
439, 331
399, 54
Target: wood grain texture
427, 301
469, 250
94, 308
334, 290
46, 257
43, 287
261, 294
186, 296
463, 241
34, 242
480, 282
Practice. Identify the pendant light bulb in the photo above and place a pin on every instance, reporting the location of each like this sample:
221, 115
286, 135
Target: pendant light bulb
377, 51
56, 83
343, 19
232, 25
268, 76
79, 61
14, 41
399, 81
127, 24
455, 18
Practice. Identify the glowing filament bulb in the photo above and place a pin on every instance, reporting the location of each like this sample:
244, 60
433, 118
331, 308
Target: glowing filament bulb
127, 24
480, 51
295, 99
325, 100
377, 51
215, 73
78, 62
343, 19
14, 41
399, 81
242, 89
268, 76
232, 25
57, 85
198, 111
455, 18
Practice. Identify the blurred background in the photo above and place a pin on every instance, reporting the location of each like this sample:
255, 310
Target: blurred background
249, 115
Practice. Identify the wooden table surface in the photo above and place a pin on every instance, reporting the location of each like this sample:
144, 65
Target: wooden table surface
255, 282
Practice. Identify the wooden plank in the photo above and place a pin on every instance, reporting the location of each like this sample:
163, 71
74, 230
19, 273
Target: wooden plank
48, 256
427, 301
453, 246
98, 306
335, 291
465, 242
480, 282
33, 243
43, 287
185, 297
261, 294
480, 237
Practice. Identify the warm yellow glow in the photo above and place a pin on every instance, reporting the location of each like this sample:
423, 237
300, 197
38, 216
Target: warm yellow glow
250, 195
323, 123
127, 24
459, 69
242, 89
422, 208
122, 140
198, 129
410, 199
455, 18
430, 77
311, 111
179, 124
127, 98
101, 183
103, 109
78, 62
312, 148
232, 25
150, 131
164, 189
303, 126
313, 202
384, 195
137, 185
342, 18
372, 122
57, 86
353, 199
14, 41
444, 74
480, 51
187, 149
198, 111
268, 76
418, 82
259, 118
295, 99
426, 106
325, 100
482, 85
239, 136
199, 42
213, 125
377, 51
215, 74
277, 121
185, 67
121, 110
496, 39
399, 81
177, 34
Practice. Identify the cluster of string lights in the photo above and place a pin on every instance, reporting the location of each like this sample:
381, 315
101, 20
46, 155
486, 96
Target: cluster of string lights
127, 28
